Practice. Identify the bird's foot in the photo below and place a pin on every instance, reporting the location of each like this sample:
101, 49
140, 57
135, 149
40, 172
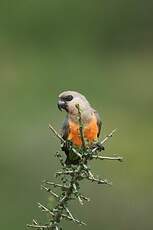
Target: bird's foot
98, 146
67, 146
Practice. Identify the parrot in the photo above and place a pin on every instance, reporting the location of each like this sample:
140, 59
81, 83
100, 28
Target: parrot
70, 130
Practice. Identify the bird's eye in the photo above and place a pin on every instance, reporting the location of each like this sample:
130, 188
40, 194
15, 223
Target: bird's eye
68, 98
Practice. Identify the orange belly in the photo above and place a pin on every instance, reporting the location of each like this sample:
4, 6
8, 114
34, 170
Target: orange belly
90, 132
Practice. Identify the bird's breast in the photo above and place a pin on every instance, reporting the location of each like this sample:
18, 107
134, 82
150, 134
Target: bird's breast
90, 131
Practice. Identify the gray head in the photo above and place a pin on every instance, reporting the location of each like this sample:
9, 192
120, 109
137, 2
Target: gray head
69, 99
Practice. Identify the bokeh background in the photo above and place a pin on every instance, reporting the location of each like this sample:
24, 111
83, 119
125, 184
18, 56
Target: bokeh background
103, 49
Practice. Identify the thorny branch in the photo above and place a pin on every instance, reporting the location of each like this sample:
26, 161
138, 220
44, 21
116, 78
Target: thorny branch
81, 127
70, 177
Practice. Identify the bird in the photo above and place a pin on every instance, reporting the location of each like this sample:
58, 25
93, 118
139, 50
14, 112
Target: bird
70, 131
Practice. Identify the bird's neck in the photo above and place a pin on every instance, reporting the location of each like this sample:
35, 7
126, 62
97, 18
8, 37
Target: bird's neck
86, 116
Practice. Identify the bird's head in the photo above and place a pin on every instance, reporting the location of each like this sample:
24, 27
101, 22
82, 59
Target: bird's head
69, 99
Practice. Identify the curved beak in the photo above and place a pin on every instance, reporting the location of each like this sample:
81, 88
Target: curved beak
61, 105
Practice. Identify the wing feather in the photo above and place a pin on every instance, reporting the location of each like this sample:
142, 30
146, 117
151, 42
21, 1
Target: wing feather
65, 129
99, 123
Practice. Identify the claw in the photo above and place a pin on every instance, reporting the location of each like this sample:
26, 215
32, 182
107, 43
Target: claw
66, 147
98, 146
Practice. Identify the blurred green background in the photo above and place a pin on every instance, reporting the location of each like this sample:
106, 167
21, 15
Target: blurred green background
103, 49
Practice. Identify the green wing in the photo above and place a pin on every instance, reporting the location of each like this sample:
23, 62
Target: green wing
99, 123
65, 129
